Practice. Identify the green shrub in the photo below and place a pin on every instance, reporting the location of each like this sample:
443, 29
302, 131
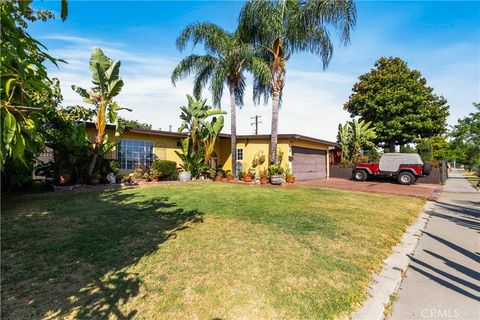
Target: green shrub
163, 169
425, 150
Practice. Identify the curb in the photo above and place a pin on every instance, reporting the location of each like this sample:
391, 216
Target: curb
389, 279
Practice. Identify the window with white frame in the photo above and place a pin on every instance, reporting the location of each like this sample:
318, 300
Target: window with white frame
134, 153
239, 154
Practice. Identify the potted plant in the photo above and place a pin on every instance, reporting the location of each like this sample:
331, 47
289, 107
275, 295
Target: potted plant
241, 175
289, 177
65, 178
264, 177
229, 176
247, 177
219, 176
276, 174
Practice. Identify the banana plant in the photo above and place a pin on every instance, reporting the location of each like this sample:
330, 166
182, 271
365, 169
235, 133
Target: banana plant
194, 117
107, 85
211, 131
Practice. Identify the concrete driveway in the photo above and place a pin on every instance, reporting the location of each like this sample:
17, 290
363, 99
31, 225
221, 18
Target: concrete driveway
427, 191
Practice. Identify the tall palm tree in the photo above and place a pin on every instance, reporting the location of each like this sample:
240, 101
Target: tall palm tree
285, 27
362, 134
225, 62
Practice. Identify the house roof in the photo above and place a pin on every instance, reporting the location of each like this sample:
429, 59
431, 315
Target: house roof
222, 135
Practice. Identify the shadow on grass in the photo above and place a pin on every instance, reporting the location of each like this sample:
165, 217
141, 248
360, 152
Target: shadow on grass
68, 253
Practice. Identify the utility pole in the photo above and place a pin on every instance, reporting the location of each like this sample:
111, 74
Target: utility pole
256, 123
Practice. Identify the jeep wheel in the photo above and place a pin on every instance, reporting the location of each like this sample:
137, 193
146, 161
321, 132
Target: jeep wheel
359, 175
406, 178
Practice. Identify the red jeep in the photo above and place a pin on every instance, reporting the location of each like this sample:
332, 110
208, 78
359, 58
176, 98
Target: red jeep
405, 167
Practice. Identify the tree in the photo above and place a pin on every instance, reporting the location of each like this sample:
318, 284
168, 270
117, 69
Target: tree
26, 87
107, 85
225, 62
283, 28
354, 138
127, 123
399, 102
465, 143
202, 134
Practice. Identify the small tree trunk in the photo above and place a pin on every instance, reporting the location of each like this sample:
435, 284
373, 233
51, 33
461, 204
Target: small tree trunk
93, 160
391, 146
233, 131
274, 130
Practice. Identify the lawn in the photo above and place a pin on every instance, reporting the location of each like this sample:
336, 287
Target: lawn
196, 251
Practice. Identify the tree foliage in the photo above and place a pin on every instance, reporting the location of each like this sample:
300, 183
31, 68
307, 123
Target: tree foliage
26, 87
129, 123
465, 139
399, 102
283, 28
354, 137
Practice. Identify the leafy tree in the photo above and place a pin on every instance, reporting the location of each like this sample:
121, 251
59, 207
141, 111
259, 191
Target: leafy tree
283, 28
127, 123
399, 102
226, 59
465, 143
107, 85
26, 87
425, 149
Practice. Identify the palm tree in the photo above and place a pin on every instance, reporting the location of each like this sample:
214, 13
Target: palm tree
224, 62
283, 28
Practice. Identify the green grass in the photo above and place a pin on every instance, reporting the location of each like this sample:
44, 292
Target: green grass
196, 251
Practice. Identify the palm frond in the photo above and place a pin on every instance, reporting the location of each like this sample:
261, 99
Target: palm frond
214, 38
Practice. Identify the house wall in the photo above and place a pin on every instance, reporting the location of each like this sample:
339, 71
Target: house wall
164, 147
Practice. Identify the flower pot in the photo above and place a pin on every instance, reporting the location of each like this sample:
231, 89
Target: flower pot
276, 179
247, 179
264, 181
229, 178
218, 178
95, 180
185, 176
290, 179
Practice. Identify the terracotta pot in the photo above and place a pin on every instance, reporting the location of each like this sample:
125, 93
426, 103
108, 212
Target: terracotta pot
95, 180
264, 181
247, 179
229, 178
290, 179
218, 178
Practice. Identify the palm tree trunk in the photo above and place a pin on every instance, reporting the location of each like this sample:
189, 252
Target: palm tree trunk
93, 160
233, 131
274, 130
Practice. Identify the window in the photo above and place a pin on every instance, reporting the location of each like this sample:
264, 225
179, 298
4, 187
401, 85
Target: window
134, 153
239, 154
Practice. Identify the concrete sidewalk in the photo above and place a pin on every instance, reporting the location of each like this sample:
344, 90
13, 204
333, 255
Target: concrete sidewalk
443, 279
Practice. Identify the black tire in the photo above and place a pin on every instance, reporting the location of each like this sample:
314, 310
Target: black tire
360, 175
406, 178
427, 169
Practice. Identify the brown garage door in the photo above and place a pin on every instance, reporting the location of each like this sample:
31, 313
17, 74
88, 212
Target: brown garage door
309, 163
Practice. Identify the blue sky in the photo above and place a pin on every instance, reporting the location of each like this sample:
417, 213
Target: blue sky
439, 38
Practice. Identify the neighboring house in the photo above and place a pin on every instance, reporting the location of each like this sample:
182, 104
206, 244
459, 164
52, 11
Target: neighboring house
307, 157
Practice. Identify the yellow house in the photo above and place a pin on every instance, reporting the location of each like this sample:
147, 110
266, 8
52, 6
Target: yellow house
307, 157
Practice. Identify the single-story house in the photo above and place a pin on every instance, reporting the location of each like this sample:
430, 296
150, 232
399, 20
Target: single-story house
307, 157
